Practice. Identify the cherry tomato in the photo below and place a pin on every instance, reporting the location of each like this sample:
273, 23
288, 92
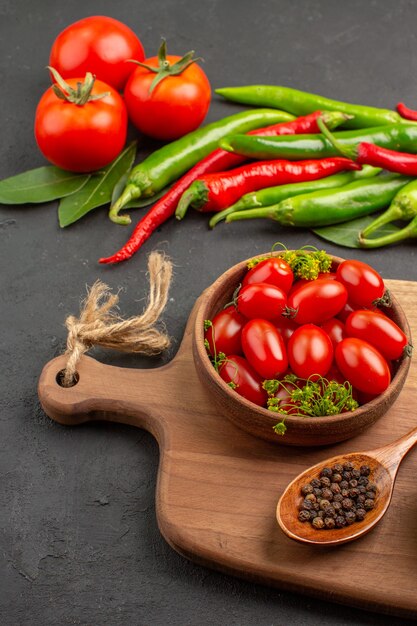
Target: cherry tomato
274, 271
363, 365
97, 44
317, 301
226, 330
286, 327
176, 106
379, 330
363, 283
284, 395
264, 348
81, 138
335, 329
261, 300
248, 383
310, 351
304, 281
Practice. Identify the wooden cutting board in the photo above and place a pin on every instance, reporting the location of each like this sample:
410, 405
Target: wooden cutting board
218, 487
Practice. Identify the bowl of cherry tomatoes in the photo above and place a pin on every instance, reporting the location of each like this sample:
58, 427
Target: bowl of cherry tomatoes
301, 347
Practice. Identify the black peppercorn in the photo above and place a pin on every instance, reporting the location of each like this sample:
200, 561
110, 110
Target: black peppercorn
340, 495
318, 523
329, 511
327, 494
368, 504
360, 514
304, 516
340, 521
347, 503
307, 505
350, 517
326, 472
329, 522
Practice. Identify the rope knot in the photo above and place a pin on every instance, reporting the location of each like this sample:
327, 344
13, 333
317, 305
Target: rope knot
100, 324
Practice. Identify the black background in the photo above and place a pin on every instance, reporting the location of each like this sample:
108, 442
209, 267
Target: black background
79, 542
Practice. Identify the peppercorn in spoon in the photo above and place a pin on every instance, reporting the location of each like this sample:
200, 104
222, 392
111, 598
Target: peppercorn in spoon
355, 507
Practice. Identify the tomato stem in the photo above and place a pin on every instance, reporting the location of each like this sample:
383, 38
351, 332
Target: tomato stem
164, 68
79, 96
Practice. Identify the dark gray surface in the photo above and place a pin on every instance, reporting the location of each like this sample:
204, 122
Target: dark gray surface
79, 542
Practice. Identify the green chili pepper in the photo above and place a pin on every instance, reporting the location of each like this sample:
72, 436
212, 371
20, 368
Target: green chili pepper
295, 147
165, 165
331, 206
408, 232
300, 103
403, 207
274, 195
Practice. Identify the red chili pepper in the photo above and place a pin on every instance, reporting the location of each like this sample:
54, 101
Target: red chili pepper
405, 112
215, 192
217, 161
366, 153
401, 162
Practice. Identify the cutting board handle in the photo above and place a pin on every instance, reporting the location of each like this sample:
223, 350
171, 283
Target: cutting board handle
103, 392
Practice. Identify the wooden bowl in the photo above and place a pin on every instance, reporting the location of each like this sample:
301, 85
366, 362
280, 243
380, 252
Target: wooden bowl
258, 421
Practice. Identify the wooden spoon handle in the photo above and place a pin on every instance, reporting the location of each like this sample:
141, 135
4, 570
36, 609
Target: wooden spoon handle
392, 454
103, 392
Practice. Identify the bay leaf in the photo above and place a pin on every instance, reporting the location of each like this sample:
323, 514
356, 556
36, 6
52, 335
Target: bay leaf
42, 184
347, 233
98, 190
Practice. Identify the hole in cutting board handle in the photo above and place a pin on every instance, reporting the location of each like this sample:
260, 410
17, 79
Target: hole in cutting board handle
60, 379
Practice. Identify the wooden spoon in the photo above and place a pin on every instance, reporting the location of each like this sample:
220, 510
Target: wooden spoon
384, 463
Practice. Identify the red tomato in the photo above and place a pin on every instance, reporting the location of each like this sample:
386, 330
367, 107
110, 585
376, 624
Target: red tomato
379, 330
248, 383
274, 271
227, 329
317, 301
363, 365
286, 403
335, 329
363, 283
304, 281
261, 300
97, 44
176, 106
264, 348
286, 327
81, 138
310, 351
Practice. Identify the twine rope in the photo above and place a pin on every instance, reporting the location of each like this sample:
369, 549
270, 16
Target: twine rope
100, 324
